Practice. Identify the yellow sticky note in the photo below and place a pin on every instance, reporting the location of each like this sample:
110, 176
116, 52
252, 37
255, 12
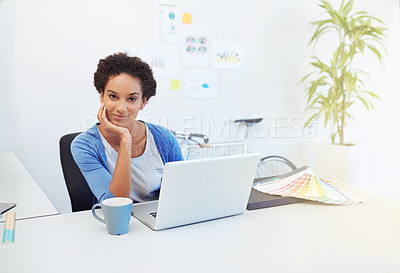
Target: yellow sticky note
187, 18
175, 85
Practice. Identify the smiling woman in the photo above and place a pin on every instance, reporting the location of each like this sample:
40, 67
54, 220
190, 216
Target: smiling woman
122, 99
122, 156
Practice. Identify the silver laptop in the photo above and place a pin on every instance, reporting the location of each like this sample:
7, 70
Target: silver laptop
200, 190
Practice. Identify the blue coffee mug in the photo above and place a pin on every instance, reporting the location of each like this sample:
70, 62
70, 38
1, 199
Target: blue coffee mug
117, 214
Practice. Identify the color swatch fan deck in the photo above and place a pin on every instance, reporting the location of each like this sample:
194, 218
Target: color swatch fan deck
302, 183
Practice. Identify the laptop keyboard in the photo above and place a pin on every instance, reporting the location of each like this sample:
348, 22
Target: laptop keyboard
154, 214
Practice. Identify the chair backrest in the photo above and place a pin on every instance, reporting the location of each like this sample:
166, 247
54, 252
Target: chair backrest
79, 192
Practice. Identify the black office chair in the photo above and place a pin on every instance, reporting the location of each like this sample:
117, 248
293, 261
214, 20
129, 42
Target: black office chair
79, 192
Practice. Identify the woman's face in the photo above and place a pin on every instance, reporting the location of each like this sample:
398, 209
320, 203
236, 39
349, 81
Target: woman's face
123, 99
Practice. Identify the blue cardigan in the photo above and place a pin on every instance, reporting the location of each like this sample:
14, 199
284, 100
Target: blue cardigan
89, 154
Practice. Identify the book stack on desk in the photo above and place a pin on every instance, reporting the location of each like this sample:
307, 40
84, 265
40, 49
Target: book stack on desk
303, 184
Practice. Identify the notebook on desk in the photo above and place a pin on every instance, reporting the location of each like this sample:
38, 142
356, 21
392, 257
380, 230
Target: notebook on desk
4, 207
200, 190
259, 200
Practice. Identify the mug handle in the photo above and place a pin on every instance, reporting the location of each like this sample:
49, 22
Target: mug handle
98, 205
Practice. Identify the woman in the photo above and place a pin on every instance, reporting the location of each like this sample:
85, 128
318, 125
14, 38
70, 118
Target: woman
122, 156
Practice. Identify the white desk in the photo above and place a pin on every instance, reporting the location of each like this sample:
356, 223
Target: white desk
18, 186
303, 237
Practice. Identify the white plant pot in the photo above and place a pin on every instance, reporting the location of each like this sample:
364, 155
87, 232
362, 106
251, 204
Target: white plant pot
335, 162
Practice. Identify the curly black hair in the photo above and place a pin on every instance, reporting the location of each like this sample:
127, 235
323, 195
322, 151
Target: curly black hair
118, 63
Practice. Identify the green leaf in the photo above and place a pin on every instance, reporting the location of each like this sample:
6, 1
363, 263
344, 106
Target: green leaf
371, 94
320, 65
376, 51
315, 116
318, 32
304, 78
327, 117
363, 102
321, 22
350, 103
336, 18
343, 61
361, 45
348, 7
341, 6
364, 14
312, 103
327, 6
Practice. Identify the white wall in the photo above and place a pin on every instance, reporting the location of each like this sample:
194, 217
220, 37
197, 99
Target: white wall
55, 47
377, 133
7, 29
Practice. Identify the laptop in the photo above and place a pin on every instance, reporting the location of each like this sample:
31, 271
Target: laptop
199, 190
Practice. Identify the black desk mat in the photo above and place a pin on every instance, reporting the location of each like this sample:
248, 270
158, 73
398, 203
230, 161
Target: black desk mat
259, 200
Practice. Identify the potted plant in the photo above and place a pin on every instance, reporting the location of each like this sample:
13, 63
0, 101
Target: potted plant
337, 84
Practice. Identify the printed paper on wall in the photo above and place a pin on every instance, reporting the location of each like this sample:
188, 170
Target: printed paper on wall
168, 21
162, 59
202, 84
196, 45
228, 55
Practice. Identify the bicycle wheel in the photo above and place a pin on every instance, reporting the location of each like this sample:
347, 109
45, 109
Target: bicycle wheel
274, 165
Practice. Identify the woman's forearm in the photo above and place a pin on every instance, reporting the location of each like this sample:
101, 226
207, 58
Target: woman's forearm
120, 185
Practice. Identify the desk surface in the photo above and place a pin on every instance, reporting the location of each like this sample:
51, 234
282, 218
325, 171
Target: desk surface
303, 237
18, 186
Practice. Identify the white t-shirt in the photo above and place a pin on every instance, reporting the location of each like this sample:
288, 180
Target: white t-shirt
146, 170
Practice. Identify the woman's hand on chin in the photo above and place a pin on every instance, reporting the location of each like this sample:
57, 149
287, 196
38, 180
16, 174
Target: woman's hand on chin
110, 128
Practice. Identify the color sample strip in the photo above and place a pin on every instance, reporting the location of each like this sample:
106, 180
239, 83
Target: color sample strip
356, 195
9, 228
296, 188
320, 190
334, 196
286, 189
272, 185
311, 190
269, 185
301, 185
306, 188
